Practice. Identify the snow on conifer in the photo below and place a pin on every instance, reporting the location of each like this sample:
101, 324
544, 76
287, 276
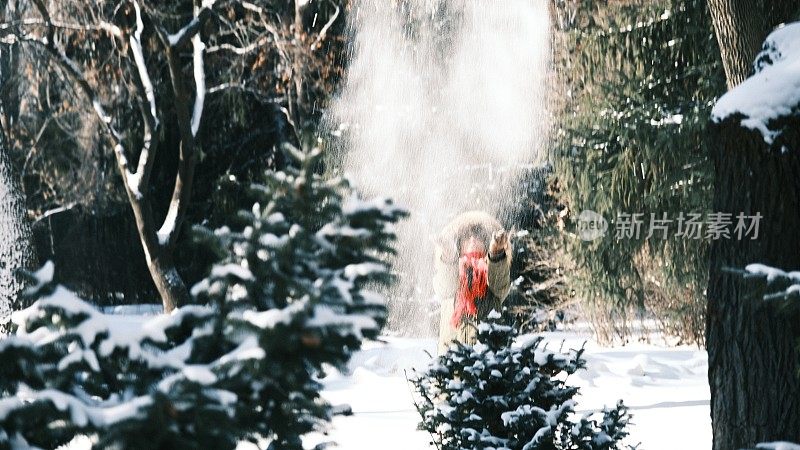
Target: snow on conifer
293, 289
502, 394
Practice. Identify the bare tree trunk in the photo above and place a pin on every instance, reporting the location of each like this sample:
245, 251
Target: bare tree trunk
752, 347
741, 26
16, 246
168, 281
16, 249
158, 255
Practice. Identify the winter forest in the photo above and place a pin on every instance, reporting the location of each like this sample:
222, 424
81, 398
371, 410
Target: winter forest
400, 224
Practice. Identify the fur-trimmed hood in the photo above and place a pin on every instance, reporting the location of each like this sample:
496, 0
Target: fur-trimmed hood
478, 223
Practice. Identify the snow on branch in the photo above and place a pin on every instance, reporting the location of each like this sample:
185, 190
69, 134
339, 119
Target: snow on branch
182, 36
789, 281
772, 273
150, 115
199, 81
169, 226
773, 92
107, 27
138, 57
241, 51
81, 413
778, 445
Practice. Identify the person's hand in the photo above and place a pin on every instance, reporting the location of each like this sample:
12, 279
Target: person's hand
499, 244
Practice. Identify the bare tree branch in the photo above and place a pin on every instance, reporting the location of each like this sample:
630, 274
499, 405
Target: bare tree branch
239, 50
185, 34
74, 71
244, 87
324, 31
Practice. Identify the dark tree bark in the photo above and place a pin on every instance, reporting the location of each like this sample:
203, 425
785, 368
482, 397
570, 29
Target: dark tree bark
16, 248
16, 245
741, 26
752, 345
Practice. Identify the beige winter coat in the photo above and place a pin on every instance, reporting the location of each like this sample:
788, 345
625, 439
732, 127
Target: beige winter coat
446, 279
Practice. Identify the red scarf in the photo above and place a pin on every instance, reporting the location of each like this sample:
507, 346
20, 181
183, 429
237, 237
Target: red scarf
473, 277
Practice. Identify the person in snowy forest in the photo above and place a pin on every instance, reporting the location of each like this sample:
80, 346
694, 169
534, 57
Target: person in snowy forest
472, 263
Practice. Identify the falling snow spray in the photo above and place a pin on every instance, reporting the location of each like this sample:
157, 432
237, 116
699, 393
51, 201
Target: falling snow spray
442, 103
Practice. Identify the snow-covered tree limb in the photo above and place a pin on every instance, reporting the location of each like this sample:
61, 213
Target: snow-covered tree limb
201, 13
188, 118
786, 284
149, 113
200, 82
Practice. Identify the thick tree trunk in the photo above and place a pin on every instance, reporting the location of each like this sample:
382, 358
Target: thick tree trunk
16, 249
168, 281
741, 26
753, 346
16, 246
158, 255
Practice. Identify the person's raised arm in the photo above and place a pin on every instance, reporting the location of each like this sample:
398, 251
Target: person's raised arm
499, 257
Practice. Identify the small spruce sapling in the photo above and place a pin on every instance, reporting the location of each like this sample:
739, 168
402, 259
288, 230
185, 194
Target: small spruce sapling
496, 394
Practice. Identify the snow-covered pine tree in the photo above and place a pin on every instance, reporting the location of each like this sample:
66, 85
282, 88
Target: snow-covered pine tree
71, 370
297, 273
293, 289
499, 395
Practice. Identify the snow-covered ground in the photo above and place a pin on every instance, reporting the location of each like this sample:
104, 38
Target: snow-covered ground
665, 387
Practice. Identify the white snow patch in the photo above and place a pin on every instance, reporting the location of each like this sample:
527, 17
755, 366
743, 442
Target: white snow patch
772, 273
660, 384
79, 412
232, 269
249, 349
273, 317
199, 374
326, 317
352, 271
45, 273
